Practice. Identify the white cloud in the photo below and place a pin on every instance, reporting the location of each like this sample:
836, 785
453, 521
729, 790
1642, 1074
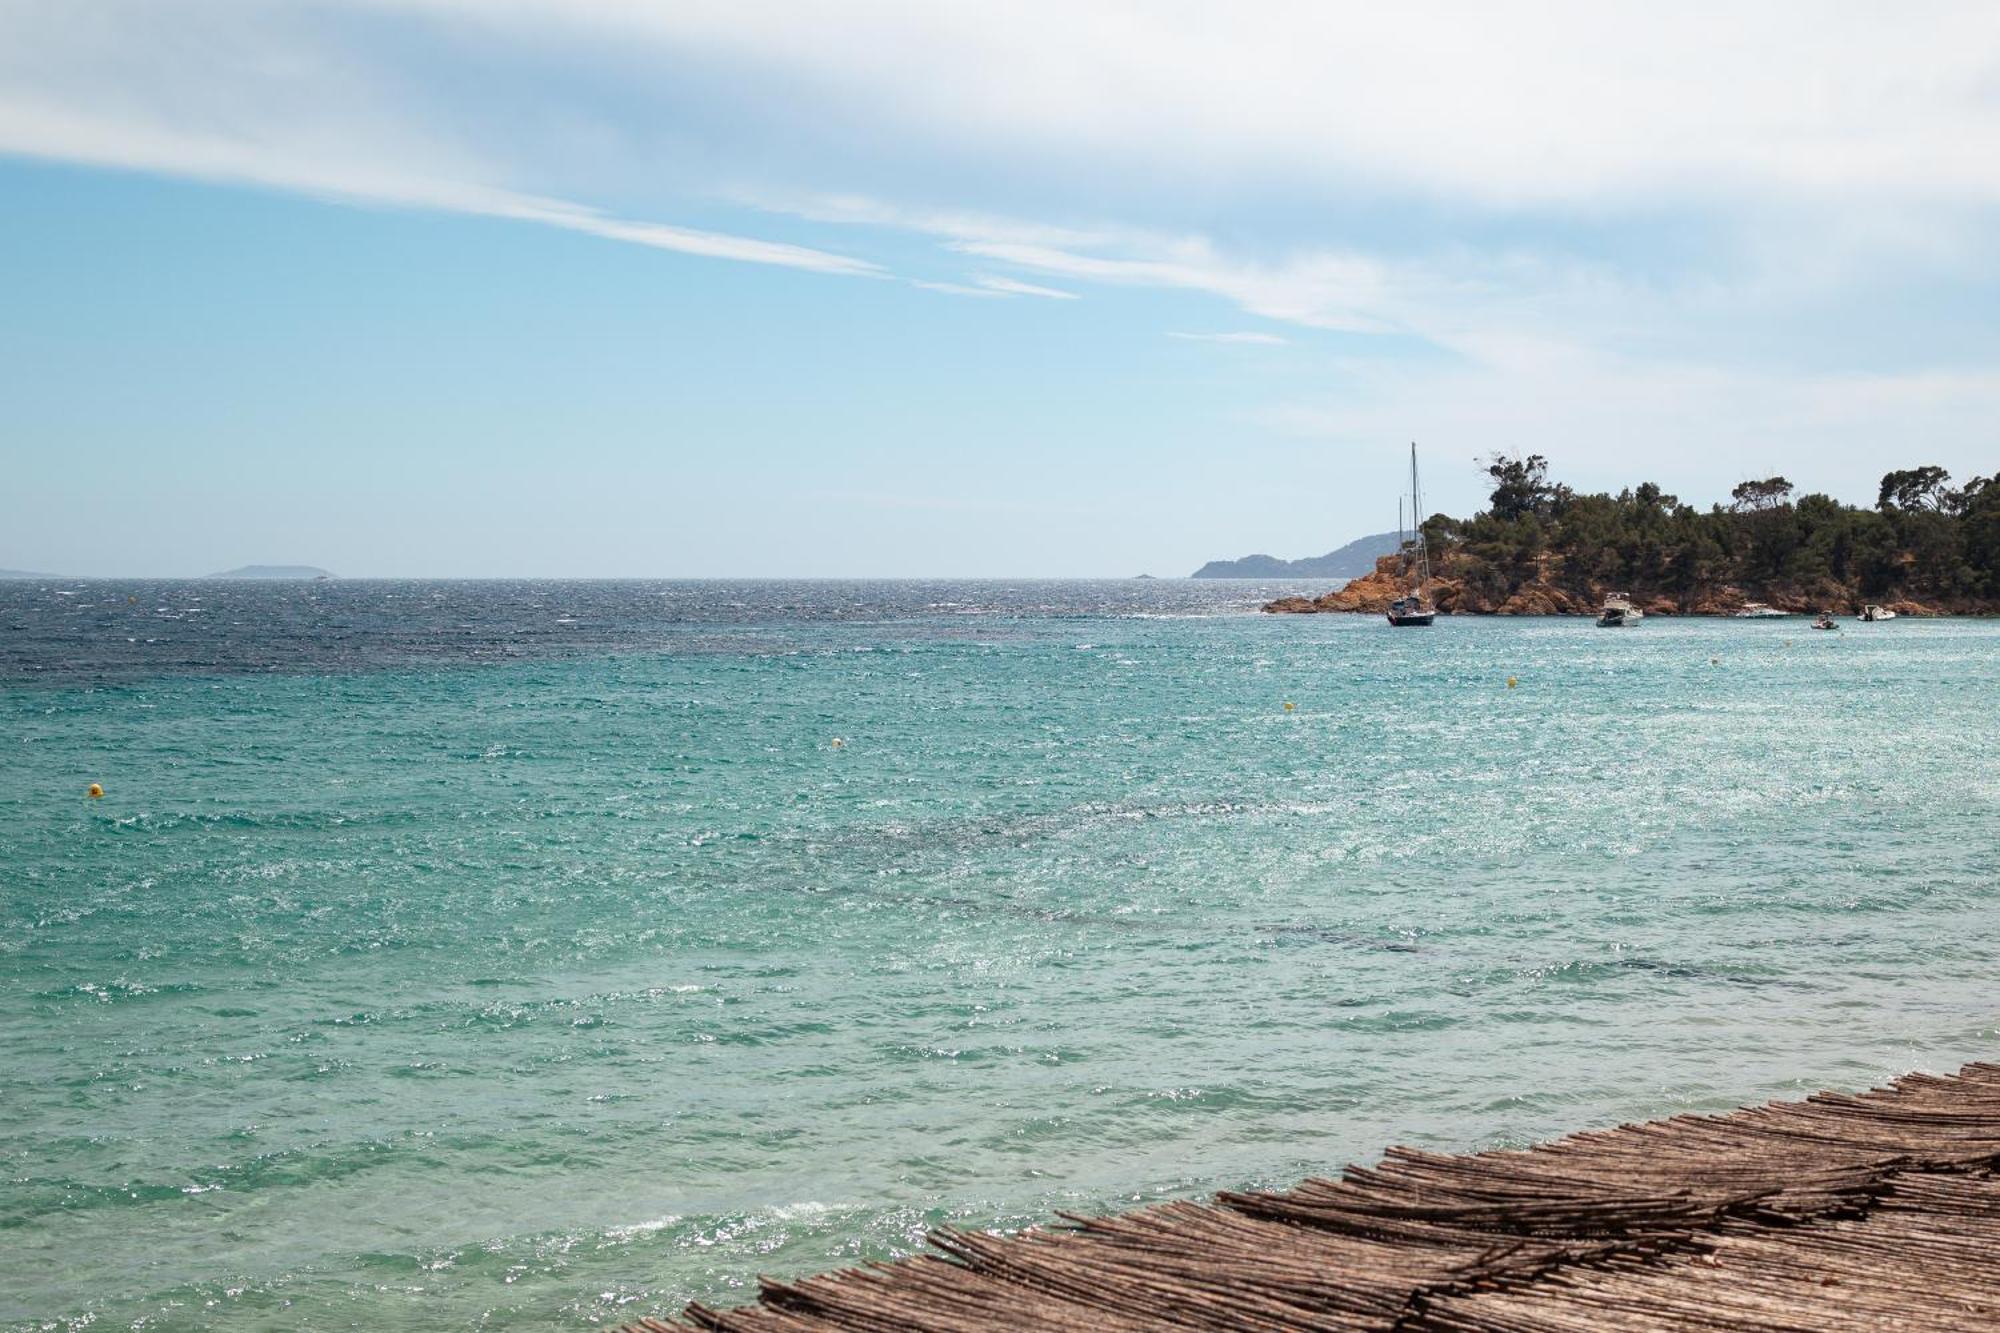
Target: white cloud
1507, 102
993, 288
1329, 291
685, 240
1570, 103
1248, 339
957, 289
263, 110
1015, 287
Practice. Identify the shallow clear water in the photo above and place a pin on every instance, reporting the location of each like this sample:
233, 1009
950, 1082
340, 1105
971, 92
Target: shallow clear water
393, 986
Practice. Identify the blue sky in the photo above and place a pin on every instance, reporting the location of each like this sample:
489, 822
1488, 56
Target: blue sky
605, 287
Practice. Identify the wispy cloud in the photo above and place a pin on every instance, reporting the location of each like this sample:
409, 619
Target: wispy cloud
957, 289
993, 288
1329, 291
171, 115
1015, 287
687, 240
1248, 339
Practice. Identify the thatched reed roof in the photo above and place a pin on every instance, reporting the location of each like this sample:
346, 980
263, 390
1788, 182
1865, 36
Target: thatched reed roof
1873, 1211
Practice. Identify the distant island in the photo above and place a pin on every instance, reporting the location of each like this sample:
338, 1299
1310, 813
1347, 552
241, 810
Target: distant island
1351, 561
1539, 548
25, 574
274, 572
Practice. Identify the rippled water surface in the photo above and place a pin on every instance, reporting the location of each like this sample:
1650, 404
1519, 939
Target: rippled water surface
532, 955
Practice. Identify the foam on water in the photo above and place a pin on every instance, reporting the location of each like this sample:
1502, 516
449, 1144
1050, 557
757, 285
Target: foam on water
393, 984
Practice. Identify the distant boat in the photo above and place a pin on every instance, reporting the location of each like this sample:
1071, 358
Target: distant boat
1413, 609
1825, 621
1759, 611
1619, 613
1872, 612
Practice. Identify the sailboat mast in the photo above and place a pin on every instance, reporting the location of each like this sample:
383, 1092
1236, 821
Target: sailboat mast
1417, 517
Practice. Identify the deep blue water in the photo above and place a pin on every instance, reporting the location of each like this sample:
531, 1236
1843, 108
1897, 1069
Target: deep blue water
531, 955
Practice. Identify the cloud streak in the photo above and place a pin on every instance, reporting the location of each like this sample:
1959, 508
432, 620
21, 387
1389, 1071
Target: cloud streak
684, 240
329, 140
1015, 287
957, 289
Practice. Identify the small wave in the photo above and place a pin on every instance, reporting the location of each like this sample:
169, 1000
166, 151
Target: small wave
638, 1229
118, 990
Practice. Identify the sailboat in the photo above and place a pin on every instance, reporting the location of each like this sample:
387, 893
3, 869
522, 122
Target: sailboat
1413, 607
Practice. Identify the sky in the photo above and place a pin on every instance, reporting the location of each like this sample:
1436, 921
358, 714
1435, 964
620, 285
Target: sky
600, 288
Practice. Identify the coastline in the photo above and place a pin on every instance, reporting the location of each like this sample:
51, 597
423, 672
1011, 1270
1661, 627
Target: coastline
1455, 590
1835, 1210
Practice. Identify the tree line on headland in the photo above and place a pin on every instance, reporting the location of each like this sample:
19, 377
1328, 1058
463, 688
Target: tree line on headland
1541, 548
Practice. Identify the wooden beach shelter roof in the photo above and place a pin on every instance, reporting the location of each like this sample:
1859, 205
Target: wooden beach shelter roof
1875, 1211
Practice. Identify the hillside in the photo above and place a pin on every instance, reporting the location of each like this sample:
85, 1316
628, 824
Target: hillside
1350, 561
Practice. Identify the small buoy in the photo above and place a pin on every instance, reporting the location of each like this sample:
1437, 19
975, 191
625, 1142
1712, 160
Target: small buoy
1715, 661
1512, 682
96, 791
838, 743
1289, 705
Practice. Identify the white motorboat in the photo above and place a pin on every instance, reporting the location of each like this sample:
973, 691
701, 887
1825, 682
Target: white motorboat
1619, 613
1759, 611
1872, 612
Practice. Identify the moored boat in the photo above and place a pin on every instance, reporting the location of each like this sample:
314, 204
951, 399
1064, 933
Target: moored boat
1406, 612
1825, 621
1619, 613
1413, 609
1759, 611
1872, 612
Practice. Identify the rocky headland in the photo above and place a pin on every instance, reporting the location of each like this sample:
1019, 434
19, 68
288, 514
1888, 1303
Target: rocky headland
1454, 594
1927, 548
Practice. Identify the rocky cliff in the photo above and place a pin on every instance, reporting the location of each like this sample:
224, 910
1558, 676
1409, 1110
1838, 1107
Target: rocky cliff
1462, 586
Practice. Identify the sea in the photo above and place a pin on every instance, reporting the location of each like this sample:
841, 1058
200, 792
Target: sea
536, 955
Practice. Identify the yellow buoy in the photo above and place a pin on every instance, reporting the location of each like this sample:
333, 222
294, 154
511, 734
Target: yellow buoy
838, 743
1512, 682
1289, 705
96, 791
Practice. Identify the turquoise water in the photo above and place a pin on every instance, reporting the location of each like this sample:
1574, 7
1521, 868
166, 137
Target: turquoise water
556, 992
